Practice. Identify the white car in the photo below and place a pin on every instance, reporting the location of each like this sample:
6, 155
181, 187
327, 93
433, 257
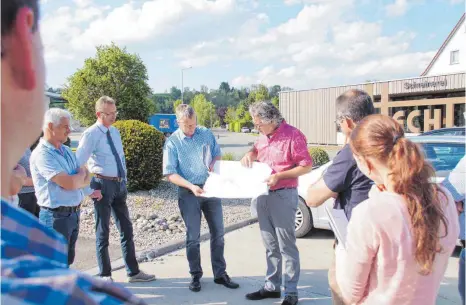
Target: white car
245, 130
444, 153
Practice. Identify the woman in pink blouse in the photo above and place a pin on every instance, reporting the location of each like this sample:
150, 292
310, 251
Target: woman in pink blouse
399, 240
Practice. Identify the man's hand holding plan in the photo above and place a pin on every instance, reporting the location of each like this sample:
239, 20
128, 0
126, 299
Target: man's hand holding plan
229, 179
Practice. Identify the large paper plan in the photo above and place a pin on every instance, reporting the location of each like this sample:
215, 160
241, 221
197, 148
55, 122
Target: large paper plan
229, 179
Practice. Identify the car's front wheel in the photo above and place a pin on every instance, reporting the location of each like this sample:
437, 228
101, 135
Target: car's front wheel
303, 221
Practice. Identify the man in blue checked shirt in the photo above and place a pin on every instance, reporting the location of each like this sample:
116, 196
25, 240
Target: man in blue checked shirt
58, 180
189, 154
102, 149
34, 258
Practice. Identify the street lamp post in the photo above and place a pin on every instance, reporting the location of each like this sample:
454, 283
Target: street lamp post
182, 85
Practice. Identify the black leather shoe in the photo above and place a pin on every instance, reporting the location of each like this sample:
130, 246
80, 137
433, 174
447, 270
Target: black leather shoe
226, 281
290, 300
263, 294
195, 284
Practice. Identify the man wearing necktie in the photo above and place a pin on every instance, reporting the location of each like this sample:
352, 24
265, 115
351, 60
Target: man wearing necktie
101, 148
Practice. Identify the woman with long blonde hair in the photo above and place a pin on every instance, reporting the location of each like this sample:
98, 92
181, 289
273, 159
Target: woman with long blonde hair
400, 239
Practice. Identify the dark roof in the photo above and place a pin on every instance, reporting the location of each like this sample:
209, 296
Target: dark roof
444, 45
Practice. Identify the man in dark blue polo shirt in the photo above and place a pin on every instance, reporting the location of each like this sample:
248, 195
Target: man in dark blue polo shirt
343, 180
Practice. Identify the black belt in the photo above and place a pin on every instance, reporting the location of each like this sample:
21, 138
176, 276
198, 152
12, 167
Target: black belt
63, 209
283, 188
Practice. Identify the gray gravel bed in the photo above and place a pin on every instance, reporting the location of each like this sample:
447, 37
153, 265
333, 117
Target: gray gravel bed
156, 217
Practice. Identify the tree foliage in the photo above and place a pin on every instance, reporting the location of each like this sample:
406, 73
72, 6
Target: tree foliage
176, 104
113, 72
205, 110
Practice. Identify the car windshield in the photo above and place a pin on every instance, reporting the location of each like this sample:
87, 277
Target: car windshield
443, 156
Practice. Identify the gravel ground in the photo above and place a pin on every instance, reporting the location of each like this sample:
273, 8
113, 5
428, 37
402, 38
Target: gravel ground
156, 217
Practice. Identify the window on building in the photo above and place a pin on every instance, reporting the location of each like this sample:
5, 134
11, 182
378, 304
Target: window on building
454, 57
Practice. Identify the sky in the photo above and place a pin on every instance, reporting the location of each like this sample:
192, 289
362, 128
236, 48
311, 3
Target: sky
301, 44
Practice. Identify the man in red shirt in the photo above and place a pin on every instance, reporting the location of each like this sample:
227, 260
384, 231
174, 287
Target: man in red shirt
284, 149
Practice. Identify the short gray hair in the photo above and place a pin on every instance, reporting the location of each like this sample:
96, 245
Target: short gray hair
354, 104
184, 111
54, 116
266, 112
102, 101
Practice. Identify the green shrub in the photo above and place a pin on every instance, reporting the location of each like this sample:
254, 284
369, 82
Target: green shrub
319, 156
228, 157
143, 147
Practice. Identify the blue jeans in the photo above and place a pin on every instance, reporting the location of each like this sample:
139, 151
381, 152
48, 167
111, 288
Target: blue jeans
113, 203
65, 223
461, 281
191, 208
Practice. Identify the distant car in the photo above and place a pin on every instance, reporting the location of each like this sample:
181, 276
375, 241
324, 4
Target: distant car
255, 131
443, 152
245, 129
450, 131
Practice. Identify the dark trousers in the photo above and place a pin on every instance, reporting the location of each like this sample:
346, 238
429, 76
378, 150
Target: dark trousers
28, 202
191, 208
114, 203
65, 223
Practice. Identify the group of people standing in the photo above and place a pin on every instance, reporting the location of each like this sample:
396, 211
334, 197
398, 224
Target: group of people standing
402, 228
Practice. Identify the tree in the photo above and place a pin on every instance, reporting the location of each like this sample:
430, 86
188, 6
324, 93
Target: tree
230, 115
115, 73
275, 101
176, 104
175, 93
221, 113
205, 110
225, 87
274, 90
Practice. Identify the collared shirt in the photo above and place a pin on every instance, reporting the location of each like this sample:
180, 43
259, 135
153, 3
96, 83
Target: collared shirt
34, 267
24, 162
94, 149
285, 149
190, 157
455, 183
47, 162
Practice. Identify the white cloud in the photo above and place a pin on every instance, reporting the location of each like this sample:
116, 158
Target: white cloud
79, 29
398, 8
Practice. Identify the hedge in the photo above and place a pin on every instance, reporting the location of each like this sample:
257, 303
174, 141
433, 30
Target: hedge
319, 156
143, 147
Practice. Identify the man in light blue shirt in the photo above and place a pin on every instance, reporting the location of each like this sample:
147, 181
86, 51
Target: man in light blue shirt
59, 181
101, 148
189, 154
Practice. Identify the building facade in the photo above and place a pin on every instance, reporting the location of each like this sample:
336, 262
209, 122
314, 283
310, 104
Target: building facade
419, 104
451, 56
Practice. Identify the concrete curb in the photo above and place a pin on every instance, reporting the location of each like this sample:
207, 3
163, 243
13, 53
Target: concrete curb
171, 247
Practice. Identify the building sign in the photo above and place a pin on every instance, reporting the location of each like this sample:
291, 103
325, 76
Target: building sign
425, 85
430, 121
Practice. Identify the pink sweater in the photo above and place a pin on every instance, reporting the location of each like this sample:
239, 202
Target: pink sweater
378, 264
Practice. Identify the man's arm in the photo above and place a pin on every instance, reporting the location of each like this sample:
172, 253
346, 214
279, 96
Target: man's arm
333, 181
318, 193
85, 148
17, 179
72, 182
49, 168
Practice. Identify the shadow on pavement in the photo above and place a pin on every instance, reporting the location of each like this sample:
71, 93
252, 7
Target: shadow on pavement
312, 289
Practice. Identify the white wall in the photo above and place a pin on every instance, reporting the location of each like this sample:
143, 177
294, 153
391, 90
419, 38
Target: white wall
442, 64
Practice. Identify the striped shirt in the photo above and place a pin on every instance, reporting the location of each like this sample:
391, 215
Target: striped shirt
24, 162
34, 267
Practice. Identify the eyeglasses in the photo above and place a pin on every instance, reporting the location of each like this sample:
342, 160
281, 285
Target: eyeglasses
111, 114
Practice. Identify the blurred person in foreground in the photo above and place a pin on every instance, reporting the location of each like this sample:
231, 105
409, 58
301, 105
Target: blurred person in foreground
399, 240
188, 156
283, 148
34, 263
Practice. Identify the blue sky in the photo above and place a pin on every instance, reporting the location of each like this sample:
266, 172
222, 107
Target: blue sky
297, 43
